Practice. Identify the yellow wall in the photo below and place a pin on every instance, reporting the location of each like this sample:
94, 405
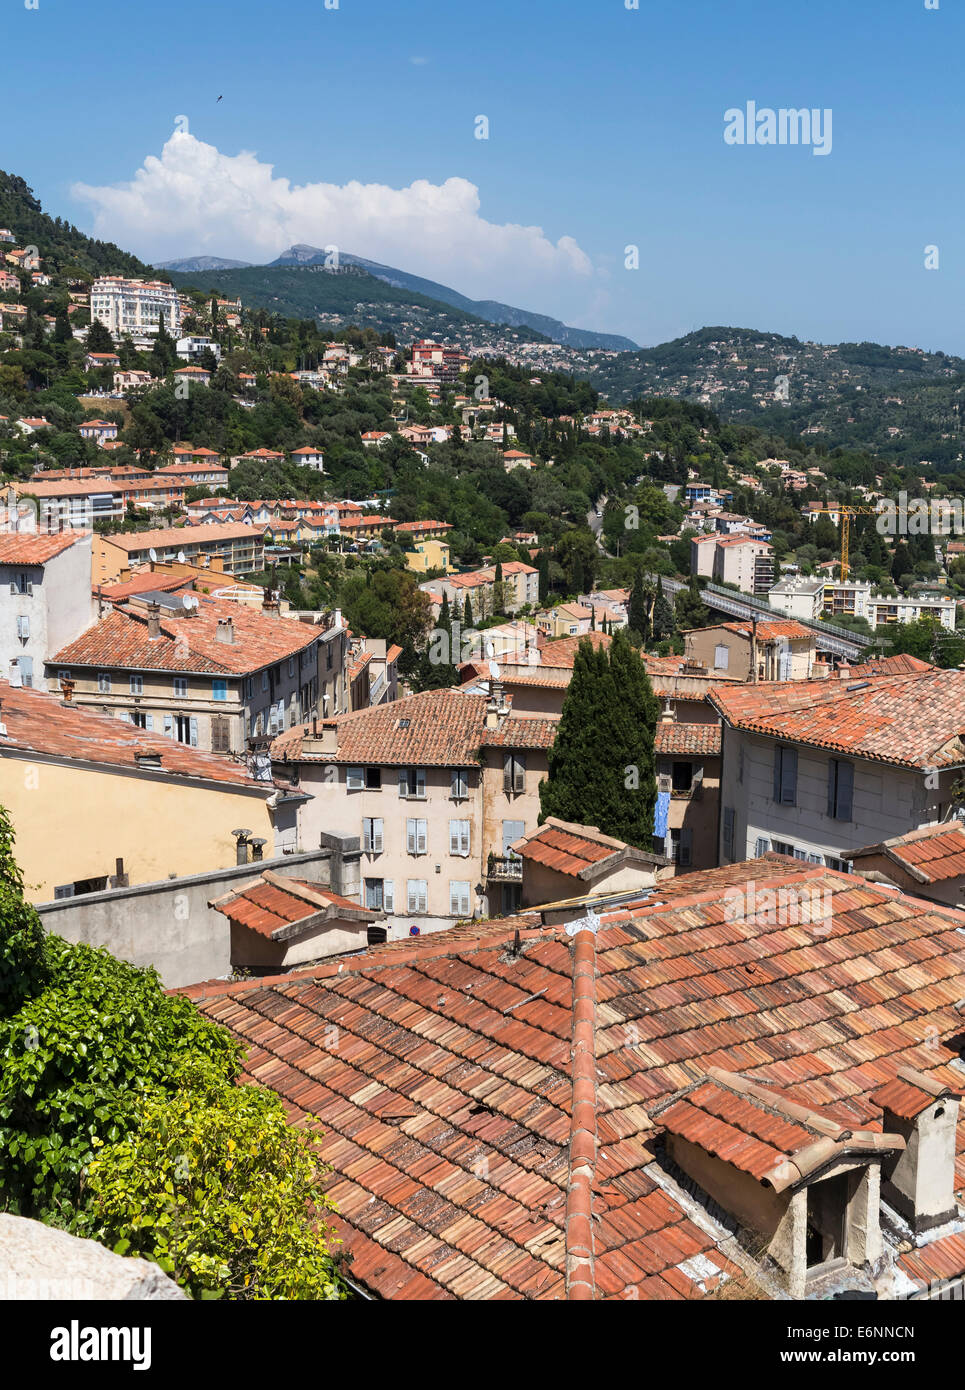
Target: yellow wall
73, 822
428, 555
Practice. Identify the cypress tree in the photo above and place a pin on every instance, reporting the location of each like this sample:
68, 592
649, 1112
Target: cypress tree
543, 566
663, 615
467, 615
637, 619
601, 767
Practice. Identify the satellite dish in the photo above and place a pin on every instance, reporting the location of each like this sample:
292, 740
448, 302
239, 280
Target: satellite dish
181, 559
490, 649
494, 670
152, 555
189, 602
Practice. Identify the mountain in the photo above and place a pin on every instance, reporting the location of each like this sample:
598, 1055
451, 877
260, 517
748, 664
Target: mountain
202, 263
63, 245
489, 309
351, 295
897, 402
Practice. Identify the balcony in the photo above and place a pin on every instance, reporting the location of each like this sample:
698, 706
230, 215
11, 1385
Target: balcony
504, 868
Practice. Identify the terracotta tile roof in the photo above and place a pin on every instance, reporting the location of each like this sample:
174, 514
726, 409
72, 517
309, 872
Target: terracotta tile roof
910, 1093
562, 650
270, 904
771, 629
913, 720
568, 849
933, 854
42, 724
522, 731
120, 640
900, 665
479, 1152
688, 739
145, 584
438, 728
25, 548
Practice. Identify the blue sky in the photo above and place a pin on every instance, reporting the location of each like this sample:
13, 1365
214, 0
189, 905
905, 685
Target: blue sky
606, 129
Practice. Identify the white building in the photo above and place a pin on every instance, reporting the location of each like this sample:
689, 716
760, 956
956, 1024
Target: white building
190, 349
134, 306
45, 600
819, 769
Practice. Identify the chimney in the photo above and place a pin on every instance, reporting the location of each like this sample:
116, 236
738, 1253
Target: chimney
225, 631
67, 690
324, 737
257, 848
668, 714
241, 845
153, 620
919, 1182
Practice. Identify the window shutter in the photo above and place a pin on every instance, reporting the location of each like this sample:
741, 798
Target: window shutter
833, 766
508, 773
388, 895
761, 847
422, 835
410, 836
149, 721
789, 789
420, 781
403, 781
729, 832
169, 725
686, 841
845, 790
778, 758
194, 731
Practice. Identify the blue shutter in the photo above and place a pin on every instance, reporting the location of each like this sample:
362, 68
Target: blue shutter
788, 766
833, 766
778, 752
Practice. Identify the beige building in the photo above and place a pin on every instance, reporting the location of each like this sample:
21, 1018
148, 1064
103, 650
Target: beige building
206, 672
45, 600
278, 924
135, 306
746, 562
781, 650
564, 863
438, 787
241, 549
96, 803
929, 863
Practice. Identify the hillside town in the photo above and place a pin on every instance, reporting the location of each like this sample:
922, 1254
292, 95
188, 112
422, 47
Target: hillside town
562, 801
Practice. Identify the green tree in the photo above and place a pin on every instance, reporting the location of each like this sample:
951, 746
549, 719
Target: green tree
638, 615
543, 568
691, 611
499, 589
663, 624
216, 1187
601, 766
98, 337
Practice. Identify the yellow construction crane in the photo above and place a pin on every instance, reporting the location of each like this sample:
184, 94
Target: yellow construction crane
844, 513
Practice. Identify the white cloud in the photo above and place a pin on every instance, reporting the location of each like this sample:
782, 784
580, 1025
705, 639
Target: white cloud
194, 200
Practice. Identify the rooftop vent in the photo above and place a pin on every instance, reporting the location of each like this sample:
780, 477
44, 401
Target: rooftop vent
147, 759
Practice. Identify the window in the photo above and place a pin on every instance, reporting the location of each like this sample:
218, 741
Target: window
459, 837
354, 779
782, 847
412, 782
513, 830
761, 847
514, 773
840, 789
372, 835
220, 734
388, 895
23, 628
785, 775
219, 690
459, 898
416, 836
373, 779
184, 728
181, 686
728, 832
104, 682
416, 894
680, 846
291, 666
63, 675
264, 680
140, 720
721, 657
137, 685
843, 866
375, 894
682, 777
459, 783
249, 687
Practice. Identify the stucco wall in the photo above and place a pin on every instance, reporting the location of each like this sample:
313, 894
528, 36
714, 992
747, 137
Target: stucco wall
72, 821
169, 924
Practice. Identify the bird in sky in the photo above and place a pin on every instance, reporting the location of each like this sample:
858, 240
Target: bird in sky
217, 101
